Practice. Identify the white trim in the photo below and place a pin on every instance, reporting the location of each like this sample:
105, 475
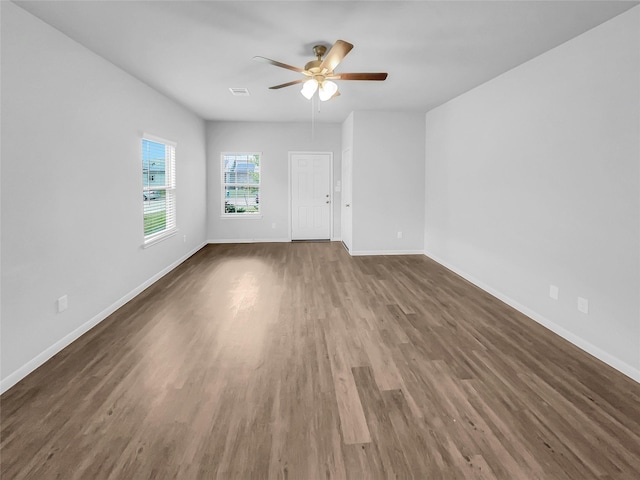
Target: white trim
296, 152
579, 342
360, 253
13, 378
159, 237
157, 139
248, 240
241, 216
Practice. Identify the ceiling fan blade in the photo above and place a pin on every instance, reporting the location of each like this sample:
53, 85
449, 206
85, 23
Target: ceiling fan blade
336, 55
278, 64
359, 76
288, 84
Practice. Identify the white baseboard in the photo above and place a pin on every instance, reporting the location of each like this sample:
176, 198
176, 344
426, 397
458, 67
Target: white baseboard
579, 342
362, 253
13, 378
259, 240
249, 240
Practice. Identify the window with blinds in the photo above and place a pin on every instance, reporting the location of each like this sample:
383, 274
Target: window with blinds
158, 188
240, 184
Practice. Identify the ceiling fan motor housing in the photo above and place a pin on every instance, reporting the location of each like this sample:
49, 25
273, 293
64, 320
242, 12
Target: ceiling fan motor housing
313, 64
318, 51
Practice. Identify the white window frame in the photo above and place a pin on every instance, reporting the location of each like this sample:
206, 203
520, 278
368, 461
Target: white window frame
223, 185
169, 186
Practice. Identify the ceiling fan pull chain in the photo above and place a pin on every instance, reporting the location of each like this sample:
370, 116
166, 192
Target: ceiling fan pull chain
313, 123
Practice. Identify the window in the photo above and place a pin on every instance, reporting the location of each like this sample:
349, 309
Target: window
240, 184
158, 188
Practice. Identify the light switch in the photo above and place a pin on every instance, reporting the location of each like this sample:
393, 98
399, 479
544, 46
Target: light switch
583, 305
63, 303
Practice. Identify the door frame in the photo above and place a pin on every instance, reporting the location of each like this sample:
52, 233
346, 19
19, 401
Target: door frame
290, 185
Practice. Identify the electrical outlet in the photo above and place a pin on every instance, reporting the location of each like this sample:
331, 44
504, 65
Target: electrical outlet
184, 238
399, 234
583, 305
63, 303
273, 225
553, 292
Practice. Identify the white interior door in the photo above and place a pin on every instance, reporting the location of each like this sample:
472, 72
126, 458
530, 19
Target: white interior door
346, 215
311, 196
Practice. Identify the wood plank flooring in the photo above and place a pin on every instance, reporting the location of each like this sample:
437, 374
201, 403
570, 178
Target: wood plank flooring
297, 361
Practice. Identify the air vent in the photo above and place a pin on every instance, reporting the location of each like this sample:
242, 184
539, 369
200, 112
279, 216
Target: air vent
239, 92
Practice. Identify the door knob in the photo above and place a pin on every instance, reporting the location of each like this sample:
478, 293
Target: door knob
347, 205
328, 201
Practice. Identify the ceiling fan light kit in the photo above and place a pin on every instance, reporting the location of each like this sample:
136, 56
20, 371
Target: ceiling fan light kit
327, 90
309, 88
320, 72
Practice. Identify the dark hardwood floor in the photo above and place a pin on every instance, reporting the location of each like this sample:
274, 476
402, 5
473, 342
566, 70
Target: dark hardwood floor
296, 361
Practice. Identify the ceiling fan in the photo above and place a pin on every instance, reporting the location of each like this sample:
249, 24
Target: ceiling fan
319, 73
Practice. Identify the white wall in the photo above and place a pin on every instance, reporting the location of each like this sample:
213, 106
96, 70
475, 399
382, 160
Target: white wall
71, 189
387, 182
275, 141
533, 179
347, 182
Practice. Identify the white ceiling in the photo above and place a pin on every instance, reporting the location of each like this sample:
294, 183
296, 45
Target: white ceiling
433, 51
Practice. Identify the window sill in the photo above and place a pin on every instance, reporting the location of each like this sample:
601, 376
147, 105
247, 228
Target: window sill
159, 238
245, 216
